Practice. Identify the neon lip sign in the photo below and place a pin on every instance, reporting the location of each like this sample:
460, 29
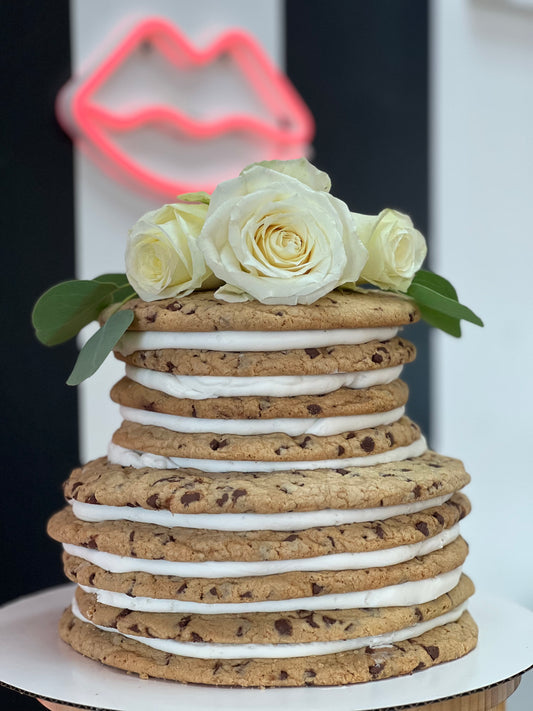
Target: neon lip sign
287, 127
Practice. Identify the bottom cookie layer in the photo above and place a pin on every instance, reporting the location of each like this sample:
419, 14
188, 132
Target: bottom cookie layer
441, 644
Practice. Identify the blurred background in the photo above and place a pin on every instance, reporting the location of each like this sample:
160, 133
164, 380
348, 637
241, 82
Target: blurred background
426, 107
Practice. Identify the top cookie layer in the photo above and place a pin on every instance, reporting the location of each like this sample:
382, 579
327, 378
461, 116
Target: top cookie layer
200, 311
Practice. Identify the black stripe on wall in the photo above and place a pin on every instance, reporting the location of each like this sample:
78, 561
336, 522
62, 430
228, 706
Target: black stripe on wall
362, 68
39, 417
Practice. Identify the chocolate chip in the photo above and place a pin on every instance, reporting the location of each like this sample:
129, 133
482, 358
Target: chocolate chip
123, 613
194, 411
432, 651
153, 501
422, 527
170, 367
284, 627
150, 406
439, 518
214, 592
151, 318
343, 472
91, 499
332, 541
217, 444
279, 313
134, 628
310, 619
312, 352
237, 494
367, 445
305, 442
196, 637
132, 536
340, 450
91, 578
181, 589
189, 497
350, 435
314, 409
377, 358
190, 312
390, 438
174, 306
328, 620
375, 669
379, 530
309, 673
291, 538
222, 500
246, 596
91, 543
419, 615
283, 675
417, 491
317, 589
239, 632
217, 667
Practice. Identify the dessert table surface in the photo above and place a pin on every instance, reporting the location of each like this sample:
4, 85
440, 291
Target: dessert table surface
34, 661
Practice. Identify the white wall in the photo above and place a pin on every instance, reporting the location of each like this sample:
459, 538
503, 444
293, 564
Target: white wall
482, 84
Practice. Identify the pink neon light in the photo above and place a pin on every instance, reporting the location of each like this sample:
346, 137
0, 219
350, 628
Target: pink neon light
288, 139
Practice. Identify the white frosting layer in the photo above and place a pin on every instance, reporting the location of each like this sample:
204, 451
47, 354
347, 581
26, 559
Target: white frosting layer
240, 569
410, 593
292, 426
204, 650
133, 458
201, 387
250, 340
289, 521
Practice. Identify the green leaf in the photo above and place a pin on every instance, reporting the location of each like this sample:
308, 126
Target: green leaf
426, 296
195, 197
117, 279
435, 282
123, 294
62, 311
448, 324
99, 345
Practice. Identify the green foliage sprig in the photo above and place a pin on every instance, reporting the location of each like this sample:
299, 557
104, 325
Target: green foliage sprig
62, 311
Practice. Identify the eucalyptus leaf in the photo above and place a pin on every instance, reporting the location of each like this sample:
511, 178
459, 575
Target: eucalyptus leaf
118, 280
62, 311
435, 282
123, 294
445, 323
425, 296
99, 345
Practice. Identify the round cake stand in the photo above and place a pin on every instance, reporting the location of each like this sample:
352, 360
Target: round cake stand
34, 661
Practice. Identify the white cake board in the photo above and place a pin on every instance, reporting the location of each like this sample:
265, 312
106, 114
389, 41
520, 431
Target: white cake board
35, 661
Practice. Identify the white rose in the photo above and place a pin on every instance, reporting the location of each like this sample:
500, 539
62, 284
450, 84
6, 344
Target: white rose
163, 258
276, 235
396, 249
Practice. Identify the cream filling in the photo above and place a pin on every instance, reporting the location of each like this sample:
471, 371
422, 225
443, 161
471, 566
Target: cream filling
205, 650
241, 569
201, 387
288, 521
292, 426
237, 341
134, 458
414, 592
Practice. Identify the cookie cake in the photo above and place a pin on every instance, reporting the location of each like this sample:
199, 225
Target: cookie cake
267, 514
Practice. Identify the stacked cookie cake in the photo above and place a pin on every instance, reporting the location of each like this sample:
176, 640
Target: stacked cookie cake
267, 514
